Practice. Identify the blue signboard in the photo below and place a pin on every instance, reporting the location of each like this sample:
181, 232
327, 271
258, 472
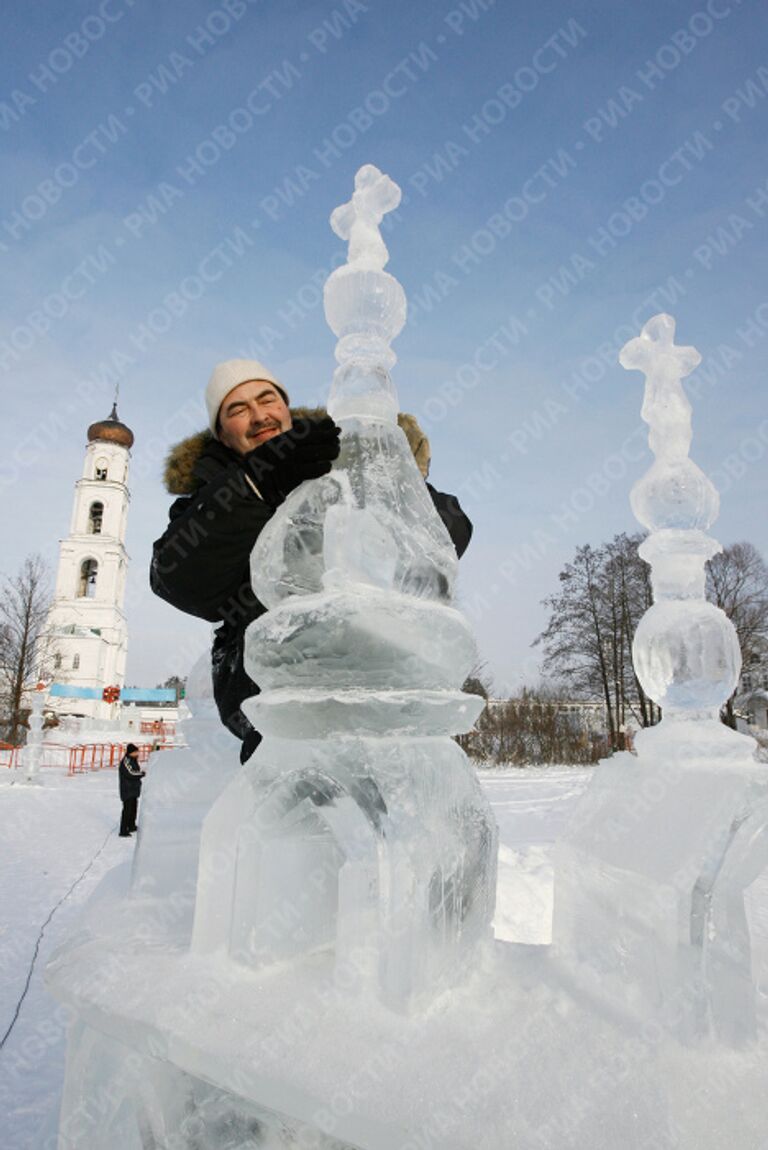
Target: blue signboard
67, 691
148, 695
127, 695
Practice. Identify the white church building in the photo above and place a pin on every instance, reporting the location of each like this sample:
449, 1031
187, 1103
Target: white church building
86, 623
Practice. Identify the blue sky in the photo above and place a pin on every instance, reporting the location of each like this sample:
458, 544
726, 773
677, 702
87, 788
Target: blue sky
568, 171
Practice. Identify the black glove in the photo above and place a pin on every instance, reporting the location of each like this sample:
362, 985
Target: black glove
281, 463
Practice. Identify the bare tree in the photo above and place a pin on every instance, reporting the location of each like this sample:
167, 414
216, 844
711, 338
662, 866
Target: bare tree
574, 639
588, 640
737, 581
628, 580
604, 594
24, 645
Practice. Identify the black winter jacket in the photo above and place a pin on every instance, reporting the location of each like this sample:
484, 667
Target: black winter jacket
201, 564
130, 781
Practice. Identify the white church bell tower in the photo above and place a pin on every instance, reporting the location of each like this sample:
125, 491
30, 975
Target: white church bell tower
87, 625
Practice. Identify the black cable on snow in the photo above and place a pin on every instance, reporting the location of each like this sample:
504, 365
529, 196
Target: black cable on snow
36, 951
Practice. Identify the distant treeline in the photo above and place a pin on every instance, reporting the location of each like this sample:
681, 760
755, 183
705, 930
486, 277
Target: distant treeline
534, 730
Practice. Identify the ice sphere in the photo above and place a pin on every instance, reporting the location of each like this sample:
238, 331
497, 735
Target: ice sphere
685, 657
675, 494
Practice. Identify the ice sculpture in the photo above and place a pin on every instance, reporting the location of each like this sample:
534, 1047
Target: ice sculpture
351, 861
33, 749
358, 812
649, 897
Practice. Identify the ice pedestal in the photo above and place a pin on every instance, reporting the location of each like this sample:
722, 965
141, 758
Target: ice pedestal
361, 849
650, 880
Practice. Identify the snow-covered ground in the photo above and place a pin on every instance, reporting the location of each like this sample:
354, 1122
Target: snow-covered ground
59, 840
52, 836
531, 808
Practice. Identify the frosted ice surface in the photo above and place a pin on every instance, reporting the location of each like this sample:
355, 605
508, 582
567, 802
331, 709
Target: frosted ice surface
370, 522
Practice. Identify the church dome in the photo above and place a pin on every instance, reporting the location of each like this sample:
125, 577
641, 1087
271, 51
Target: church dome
111, 430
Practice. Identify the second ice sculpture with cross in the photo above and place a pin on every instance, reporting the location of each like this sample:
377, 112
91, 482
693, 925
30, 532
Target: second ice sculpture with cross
358, 812
651, 878
686, 652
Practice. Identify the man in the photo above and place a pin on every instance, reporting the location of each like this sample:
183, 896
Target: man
130, 776
230, 480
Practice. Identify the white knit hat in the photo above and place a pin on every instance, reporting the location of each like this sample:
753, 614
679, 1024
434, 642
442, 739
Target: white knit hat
230, 374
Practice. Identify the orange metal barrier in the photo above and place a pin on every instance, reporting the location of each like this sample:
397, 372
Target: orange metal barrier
9, 755
97, 756
80, 758
158, 727
94, 756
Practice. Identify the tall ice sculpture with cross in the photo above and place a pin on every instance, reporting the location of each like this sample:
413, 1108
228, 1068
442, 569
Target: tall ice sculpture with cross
651, 879
360, 659
352, 859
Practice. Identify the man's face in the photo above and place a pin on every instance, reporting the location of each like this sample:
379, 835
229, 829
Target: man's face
252, 413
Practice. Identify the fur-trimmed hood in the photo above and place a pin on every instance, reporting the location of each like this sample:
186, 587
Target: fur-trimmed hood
179, 471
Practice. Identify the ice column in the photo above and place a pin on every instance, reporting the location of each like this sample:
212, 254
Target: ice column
685, 652
364, 305
34, 746
358, 829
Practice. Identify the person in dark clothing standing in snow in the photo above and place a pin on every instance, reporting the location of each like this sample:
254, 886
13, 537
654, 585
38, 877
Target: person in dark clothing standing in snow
230, 479
130, 775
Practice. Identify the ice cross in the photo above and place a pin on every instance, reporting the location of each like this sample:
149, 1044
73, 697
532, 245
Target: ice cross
358, 220
665, 405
